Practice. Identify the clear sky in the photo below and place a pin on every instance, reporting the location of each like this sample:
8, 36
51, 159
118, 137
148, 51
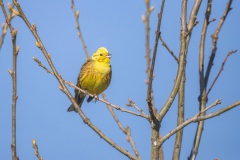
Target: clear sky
117, 25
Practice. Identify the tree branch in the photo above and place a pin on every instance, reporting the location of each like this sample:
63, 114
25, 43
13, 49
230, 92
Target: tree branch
76, 15
35, 146
132, 104
168, 49
221, 69
180, 119
13, 74
5, 25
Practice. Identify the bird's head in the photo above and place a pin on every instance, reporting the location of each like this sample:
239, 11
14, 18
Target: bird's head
102, 55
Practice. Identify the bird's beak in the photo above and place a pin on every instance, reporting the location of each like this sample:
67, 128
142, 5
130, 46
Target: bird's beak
109, 55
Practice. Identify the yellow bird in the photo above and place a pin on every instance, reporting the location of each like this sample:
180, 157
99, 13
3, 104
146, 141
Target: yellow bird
94, 77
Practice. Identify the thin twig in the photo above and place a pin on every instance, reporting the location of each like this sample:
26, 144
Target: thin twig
35, 146
190, 29
130, 140
14, 82
126, 130
217, 102
169, 50
146, 20
76, 15
221, 69
4, 25
65, 89
4, 31
41, 65
132, 104
193, 16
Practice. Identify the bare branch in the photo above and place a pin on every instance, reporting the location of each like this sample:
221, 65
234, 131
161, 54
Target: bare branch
145, 20
169, 50
76, 15
14, 82
190, 29
180, 119
41, 65
35, 146
4, 25
193, 14
132, 104
221, 69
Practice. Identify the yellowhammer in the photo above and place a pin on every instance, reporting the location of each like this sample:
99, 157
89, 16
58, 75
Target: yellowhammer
94, 77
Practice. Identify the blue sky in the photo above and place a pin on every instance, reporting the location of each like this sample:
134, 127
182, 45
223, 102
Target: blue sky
116, 25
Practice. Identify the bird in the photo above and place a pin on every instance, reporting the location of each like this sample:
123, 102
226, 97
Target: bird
94, 77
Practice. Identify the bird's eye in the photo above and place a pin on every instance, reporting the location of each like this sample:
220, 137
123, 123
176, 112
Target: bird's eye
100, 54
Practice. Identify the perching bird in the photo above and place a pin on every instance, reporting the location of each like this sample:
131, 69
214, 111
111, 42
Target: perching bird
94, 77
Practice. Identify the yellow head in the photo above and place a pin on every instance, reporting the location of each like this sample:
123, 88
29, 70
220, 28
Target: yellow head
102, 55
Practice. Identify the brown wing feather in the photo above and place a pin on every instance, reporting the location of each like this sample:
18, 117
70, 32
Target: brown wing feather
80, 96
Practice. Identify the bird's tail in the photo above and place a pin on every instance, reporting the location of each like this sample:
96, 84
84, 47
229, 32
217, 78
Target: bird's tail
79, 98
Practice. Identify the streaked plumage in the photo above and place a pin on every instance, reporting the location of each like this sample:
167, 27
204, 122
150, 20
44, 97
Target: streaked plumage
94, 77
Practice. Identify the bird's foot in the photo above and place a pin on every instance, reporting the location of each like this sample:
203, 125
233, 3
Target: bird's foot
96, 97
86, 92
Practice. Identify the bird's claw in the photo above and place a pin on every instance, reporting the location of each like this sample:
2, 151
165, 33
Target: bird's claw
96, 97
